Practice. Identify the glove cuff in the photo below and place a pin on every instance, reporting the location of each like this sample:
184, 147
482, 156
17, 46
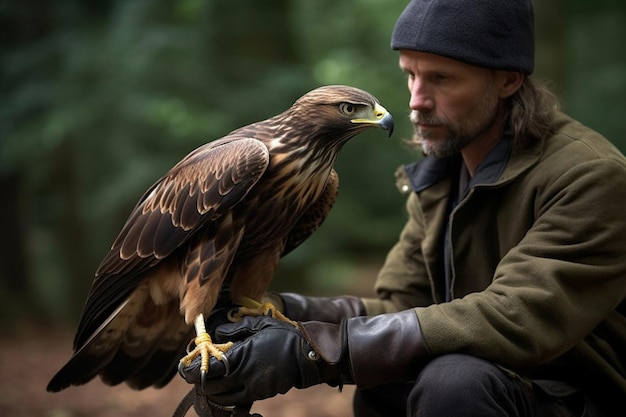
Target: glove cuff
367, 351
329, 350
385, 348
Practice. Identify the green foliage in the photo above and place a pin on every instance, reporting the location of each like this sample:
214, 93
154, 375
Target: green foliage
100, 98
597, 95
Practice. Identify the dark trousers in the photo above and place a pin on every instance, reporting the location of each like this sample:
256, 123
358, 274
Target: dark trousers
463, 386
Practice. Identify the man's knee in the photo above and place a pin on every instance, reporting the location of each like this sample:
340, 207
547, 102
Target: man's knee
450, 384
454, 372
382, 401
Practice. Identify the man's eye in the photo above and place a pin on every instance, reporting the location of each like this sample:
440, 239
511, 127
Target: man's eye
347, 108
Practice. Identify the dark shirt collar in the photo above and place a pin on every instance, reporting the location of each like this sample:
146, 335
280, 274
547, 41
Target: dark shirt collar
429, 171
491, 168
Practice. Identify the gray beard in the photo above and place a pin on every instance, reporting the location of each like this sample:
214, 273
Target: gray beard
452, 145
458, 137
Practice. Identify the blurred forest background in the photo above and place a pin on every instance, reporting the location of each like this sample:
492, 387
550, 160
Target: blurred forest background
99, 98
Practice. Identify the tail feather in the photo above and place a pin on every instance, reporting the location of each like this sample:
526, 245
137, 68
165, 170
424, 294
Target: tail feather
81, 368
89, 359
148, 354
139, 343
159, 370
164, 362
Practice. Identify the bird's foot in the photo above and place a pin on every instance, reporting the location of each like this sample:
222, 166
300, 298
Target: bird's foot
205, 348
252, 308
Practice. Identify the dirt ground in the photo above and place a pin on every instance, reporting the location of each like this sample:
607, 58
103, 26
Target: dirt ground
30, 358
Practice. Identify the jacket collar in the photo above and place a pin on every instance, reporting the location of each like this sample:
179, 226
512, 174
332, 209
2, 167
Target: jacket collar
502, 164
429, 171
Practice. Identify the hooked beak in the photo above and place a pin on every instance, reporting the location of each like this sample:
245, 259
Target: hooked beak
380, 117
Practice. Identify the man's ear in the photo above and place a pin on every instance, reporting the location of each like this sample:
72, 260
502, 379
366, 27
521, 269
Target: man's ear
510, 82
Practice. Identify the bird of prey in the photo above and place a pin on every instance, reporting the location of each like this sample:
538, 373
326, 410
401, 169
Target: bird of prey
224, 215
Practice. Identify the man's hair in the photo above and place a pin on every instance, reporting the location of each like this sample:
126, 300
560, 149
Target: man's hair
530, 113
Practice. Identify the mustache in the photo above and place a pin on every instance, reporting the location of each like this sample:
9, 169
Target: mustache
417, 117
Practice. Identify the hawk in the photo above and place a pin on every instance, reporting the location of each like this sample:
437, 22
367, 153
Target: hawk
223, 216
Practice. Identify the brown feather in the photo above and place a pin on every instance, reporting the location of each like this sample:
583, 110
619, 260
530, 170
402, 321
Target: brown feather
226, 213
314, 216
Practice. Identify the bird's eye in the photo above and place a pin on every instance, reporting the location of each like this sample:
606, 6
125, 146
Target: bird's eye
347, 108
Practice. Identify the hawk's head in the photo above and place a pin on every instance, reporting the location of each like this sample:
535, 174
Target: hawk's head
338, 113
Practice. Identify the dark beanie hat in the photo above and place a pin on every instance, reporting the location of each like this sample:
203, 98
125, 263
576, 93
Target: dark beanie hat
497, 34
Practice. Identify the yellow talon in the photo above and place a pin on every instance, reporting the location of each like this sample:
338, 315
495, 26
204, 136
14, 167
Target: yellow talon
205, 348
253, 308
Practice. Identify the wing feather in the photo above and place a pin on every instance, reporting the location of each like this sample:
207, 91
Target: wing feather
202, 187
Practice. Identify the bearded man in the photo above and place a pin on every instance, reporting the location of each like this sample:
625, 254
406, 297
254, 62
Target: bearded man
505, 294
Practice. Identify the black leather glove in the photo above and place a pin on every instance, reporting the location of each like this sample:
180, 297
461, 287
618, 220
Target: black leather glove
270, 357
327, 309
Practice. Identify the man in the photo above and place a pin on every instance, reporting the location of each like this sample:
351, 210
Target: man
506, 292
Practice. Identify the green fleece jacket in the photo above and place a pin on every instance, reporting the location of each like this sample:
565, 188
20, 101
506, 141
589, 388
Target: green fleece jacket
538, 262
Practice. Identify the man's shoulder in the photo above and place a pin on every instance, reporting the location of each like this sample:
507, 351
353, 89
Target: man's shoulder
574, 141
571, 149
573, 156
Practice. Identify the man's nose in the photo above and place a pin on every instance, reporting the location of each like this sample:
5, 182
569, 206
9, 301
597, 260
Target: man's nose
421, 99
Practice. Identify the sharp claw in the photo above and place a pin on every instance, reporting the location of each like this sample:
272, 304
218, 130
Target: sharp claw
202, 379
224, 360
189, 348
233, 315
181, 366
204, 374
